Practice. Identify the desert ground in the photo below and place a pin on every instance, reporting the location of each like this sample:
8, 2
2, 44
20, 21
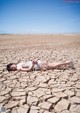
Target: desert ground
51, 91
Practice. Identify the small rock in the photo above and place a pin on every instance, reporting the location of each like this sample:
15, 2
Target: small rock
6, 91
2, 98
70, 83
69, 93
77, 86
31, 100
62, 105
60, 94
75, 109
9, 111
25, 106
22, 110
53, 100
22, 80
30, 88
45, 97
41, 79
48, 92
41, 111
18, 98
17, 94
47, 112
14, 110
75, 100
65, 111
12, 104
74, 78
33, 111
52, 81
12, 77
35, 107
22, 101
78, 94
18, 90
39, 92
23, 84
42, 85
57, 90
45, 105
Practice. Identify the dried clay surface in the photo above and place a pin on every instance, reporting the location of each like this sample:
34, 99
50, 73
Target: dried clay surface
51, 91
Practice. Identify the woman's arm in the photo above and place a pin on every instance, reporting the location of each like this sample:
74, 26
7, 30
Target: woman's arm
25, 69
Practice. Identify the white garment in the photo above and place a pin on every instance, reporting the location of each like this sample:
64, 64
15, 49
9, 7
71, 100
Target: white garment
38, 65
27, 64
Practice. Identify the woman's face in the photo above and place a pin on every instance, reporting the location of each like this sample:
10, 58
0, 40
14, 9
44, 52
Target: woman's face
13, 67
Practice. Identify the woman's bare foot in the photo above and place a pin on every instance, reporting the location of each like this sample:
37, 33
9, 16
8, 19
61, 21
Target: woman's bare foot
72, 65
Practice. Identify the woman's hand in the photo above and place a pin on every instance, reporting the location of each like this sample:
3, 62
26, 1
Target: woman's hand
44, 67
34, 61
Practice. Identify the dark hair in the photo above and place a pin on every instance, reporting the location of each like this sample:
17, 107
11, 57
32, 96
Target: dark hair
9, 67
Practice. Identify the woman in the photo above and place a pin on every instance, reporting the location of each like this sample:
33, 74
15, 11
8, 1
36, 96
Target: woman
38, 65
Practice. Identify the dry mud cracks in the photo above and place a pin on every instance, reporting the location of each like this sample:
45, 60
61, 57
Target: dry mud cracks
52, 91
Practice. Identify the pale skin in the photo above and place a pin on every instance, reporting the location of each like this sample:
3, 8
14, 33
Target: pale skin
45, 66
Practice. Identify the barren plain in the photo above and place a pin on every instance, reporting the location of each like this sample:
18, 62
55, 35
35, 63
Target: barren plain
51, 91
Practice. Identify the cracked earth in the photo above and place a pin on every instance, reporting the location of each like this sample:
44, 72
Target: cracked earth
51, 91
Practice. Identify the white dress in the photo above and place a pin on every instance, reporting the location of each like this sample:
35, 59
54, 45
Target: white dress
27, 64
38, 65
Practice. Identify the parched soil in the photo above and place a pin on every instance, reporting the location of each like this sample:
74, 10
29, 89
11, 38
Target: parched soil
51, 91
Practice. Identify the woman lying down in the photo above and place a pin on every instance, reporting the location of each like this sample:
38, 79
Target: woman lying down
37, 65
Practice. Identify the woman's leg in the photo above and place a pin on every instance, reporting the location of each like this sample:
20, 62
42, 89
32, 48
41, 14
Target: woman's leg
59, 65
44, 65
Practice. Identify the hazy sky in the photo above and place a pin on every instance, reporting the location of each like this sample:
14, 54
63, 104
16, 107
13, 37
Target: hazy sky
39, 16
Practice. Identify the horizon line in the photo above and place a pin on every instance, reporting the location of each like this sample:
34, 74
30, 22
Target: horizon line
39, 33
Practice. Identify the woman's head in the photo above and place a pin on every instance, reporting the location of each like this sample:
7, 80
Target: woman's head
11, 67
